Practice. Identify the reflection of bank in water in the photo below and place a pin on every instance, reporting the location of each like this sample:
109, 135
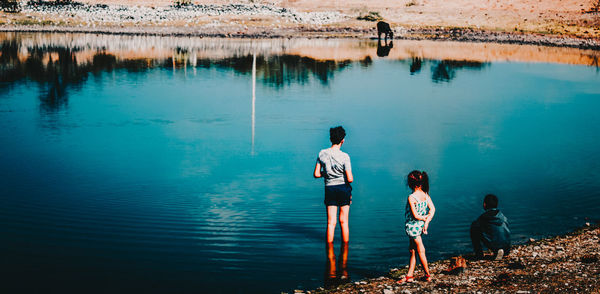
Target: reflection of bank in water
61, 63
338, 50
336, 271
58, 69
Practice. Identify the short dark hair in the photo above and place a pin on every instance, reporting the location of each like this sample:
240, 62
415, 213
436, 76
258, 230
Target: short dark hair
418, 179
490, 201
337, 134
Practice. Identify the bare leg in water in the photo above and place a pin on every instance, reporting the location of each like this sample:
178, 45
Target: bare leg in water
331, 222
344, 212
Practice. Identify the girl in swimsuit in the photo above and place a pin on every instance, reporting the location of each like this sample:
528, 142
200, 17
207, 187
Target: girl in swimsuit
419, 212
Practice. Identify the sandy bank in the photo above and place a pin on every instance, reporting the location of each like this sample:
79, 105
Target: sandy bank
541, 22
563, 264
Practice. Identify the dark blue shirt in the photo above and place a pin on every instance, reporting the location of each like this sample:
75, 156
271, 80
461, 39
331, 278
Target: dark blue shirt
494, 228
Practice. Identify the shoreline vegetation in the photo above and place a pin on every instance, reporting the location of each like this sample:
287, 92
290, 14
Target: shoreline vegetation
565, 23
568, 263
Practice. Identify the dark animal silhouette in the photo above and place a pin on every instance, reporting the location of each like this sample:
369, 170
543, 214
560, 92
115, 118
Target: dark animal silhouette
384, 28
384, 50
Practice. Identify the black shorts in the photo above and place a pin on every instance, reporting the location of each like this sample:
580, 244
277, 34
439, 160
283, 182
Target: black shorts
338, 195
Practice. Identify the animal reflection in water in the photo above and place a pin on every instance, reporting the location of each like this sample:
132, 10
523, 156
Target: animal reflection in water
383, 50
336, 273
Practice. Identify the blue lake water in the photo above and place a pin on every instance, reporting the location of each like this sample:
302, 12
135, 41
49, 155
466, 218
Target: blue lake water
126, 173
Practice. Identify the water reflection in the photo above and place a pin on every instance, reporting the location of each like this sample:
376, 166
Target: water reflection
61, 63
445, 70
415, 65
281, 70
366, 62
58, 70
253, 101
336, 271
384, 50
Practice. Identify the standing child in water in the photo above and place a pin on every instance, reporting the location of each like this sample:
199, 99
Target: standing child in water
334, 165
418, 213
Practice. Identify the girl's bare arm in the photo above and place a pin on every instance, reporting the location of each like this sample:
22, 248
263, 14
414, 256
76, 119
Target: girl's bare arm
431, 209
317, 173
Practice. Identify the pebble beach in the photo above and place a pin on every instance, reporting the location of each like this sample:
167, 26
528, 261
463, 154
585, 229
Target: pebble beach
564, 264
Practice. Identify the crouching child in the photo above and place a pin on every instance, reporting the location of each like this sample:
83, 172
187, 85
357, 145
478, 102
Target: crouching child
491, 230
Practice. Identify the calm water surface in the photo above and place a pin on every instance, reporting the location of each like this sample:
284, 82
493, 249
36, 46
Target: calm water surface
145, 164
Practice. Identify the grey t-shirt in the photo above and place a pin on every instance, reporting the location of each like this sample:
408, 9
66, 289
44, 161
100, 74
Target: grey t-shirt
334, 163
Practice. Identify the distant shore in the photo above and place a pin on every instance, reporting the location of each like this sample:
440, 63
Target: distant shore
576, 26
568, 263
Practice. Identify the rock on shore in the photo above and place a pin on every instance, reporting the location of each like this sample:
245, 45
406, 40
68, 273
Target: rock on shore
564, 264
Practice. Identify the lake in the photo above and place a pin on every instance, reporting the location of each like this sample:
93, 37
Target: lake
184, 165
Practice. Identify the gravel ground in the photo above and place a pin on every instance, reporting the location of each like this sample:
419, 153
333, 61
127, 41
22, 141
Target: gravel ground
111, 14
564, 264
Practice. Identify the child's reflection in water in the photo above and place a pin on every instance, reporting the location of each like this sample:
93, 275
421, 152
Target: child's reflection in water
334, 276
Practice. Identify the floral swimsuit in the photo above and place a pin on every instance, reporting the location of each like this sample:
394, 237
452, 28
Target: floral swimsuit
414, 228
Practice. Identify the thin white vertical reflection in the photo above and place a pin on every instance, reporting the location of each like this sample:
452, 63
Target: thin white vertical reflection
173, 59
253, 98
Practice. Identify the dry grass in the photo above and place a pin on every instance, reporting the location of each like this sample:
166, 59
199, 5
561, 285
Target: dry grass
182, 2
411, 3
370, 16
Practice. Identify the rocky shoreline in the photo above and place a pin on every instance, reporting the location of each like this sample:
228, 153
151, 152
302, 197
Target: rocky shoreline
250, 20
564, 264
